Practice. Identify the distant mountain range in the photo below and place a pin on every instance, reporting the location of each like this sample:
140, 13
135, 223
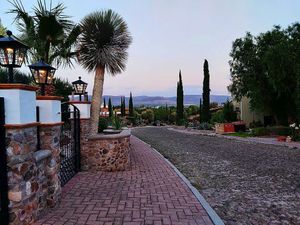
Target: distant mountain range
160, 100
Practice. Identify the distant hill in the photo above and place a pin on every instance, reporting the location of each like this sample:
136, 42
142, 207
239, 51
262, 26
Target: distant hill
160, 100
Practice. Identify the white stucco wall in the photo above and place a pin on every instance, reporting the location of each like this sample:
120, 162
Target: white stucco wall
50, 111
20, 106
85, 110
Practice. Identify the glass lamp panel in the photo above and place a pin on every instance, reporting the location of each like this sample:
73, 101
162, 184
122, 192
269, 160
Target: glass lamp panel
42, 76
7, 56
20, 54
50, 76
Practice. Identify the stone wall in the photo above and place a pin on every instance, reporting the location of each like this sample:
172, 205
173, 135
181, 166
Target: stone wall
50, 140
106, 152
32, 175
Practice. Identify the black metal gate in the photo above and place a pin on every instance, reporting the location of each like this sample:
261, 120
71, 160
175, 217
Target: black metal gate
69, 143
4, 213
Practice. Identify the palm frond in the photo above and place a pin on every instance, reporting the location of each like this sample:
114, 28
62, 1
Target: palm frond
104, 42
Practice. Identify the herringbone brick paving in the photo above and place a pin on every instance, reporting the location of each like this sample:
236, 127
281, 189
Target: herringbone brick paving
149, 192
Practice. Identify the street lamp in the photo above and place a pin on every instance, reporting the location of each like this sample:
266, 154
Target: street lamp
79, 87
12, 53
42, 73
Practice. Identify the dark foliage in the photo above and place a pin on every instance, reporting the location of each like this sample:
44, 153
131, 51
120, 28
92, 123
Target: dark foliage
206, 94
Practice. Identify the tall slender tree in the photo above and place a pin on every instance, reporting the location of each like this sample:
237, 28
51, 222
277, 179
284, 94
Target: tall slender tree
110, 108
123, 108
104, 103
206, 93
131, 112
180, 104
200, 111
103, 47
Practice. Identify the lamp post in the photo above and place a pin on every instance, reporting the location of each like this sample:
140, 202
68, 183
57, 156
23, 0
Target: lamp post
42, 73
79, 87
12, 53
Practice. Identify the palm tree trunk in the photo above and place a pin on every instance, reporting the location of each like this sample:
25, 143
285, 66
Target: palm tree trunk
96, 99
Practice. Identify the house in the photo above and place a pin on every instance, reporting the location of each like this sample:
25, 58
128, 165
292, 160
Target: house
246, 114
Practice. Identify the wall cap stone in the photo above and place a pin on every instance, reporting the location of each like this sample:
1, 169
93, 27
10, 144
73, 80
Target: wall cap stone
49, 98
123, 134
41, 154
51, 124
79, 102
21, 126
19, 86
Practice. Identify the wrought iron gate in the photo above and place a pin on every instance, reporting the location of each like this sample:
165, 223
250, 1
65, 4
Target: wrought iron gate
69, 143
4, 213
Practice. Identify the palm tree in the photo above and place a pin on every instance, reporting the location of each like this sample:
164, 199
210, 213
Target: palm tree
103, 48
49, 33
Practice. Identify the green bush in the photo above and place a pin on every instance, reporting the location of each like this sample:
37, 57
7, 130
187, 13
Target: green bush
148, 115
205, 126
275, 130
117, 122
103, 124
259, 131
279, 130
217, 117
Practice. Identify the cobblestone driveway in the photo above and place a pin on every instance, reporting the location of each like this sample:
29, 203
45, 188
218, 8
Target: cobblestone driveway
246, 183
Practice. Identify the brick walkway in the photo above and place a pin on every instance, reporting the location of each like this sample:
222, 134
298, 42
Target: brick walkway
150, 192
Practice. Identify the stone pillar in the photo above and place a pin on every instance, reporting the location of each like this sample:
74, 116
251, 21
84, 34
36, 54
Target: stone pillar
50, 129
84, 108
21, 133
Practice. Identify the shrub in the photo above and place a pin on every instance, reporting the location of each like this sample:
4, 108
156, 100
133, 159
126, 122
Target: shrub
279, 130
103, 124
117, 122
229, 113
205, 126
259, 131
217, 117
148, 115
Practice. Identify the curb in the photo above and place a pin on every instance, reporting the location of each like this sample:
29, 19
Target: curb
246, 140
211, 213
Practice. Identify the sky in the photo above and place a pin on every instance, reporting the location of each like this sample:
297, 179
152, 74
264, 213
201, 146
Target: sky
173, 35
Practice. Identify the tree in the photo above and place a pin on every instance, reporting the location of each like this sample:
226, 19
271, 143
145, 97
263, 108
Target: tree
200, 111
110, 108
103, 47
49, 33
2, 30
229, 113
131, 111
206, 93
180, 104
104, 103
265, 68
123, 107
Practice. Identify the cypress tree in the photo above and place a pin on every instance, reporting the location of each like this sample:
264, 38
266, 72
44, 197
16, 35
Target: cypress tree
110, 108
180, 106
122, 106
206, 93
131, 114
104, 103
200, 111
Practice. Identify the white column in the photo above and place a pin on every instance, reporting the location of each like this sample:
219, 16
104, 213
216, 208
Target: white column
19, 103
50, 109
84, 108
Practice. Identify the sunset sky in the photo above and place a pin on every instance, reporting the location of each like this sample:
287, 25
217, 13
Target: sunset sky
169, 35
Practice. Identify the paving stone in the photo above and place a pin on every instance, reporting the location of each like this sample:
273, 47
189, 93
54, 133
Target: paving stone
146, 193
